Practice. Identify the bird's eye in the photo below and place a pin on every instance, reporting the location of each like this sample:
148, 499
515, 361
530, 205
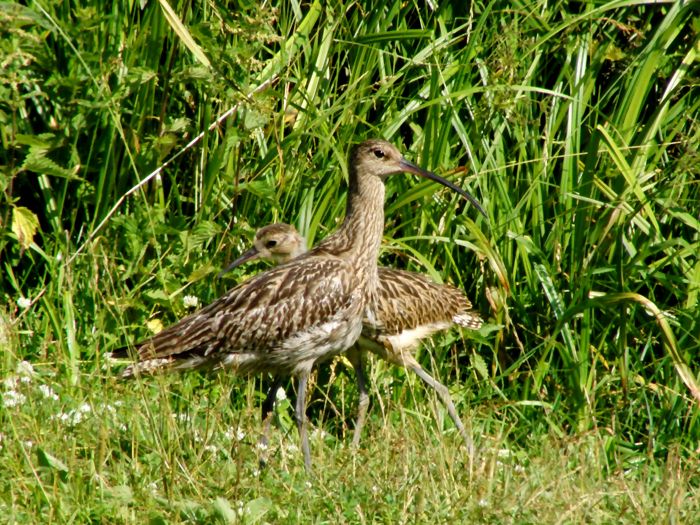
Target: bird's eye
271, 243
379, 153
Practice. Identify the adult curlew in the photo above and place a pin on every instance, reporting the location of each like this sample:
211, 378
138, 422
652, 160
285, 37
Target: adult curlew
406, 308
285, 320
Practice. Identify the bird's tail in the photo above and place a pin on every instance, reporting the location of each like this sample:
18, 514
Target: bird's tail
120, 353
469, 319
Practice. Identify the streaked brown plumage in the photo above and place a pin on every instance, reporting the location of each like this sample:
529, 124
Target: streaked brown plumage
405, 308
287, 319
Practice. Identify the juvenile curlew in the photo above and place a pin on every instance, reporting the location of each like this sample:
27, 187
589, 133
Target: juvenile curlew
288, 318
276, 242
406, 308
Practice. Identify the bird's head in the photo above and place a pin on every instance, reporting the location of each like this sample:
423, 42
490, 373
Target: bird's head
277, 242
380, 158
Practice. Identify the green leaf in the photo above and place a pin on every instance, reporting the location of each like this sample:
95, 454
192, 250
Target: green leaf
254, 119
38, 162
157, 295
222, 509
52, 463
479, 365
255, 509
25, 224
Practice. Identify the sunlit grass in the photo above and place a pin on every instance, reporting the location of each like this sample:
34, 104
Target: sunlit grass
176, 450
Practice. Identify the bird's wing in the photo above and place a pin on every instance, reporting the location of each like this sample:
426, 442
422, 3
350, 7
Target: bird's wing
261, 313
405, 300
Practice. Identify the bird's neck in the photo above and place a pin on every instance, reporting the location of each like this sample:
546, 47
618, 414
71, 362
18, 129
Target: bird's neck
359, 238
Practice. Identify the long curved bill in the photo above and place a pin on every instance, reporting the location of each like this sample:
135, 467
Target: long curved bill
249, 255
412, 168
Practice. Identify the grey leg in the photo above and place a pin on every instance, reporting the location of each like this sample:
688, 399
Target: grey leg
267, 410
444, 396
300, 414
355, 356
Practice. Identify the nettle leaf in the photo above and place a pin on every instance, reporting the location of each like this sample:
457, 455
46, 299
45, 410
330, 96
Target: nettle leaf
201, 234
254, 119
52, 464
42, 141
37, 159
259, 188
38, 162
25, 224
479, 365
157, 295
255, 509
222, 509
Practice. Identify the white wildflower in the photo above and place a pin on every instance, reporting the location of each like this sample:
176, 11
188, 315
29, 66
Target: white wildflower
280, 395
24, 369
48, 392
261, 446
504, 453
238, 435
483, 503
211, 448
24, 303
519, 469
183, 418
12, 399
319, 433
190, 301
75, 416
11, 382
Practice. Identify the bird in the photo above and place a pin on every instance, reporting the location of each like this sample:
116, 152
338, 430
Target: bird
406, 308
277, 242
286, 320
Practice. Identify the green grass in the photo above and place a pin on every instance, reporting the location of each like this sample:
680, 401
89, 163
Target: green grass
575, 124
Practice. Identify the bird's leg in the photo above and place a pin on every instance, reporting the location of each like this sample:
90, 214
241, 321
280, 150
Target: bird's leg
267, 410
444, 395
355, 356
300, 415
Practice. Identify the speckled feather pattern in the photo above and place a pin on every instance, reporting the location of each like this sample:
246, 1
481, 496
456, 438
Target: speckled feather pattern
287, 319
402, 308
274, 323
408, 300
